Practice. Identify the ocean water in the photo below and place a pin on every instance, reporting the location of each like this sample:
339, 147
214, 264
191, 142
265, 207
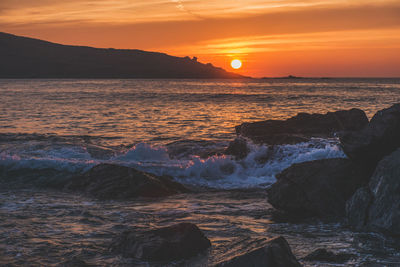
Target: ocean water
171, 126
54, 129
163, 111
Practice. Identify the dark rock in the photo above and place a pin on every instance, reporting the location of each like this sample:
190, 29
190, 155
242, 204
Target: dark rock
377, 206
303, 126
316, 188
180, 241
238, 148
107, 181
274, 254
75, 262
379, 138
328, 256
357, 208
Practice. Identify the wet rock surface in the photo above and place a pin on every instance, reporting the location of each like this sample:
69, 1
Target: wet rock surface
377, 206
303, 126
316, 188
275, 253
328, 256
380, 137
357, 208
107, 181
179, 241
238, 148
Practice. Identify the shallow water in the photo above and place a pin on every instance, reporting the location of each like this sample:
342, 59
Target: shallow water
44, 228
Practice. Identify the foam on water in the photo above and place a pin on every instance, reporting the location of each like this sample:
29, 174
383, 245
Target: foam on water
258, 169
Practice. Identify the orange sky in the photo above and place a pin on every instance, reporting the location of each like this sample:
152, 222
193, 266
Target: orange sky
343, 38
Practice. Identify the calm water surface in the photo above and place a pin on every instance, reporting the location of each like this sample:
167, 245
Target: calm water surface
161, 111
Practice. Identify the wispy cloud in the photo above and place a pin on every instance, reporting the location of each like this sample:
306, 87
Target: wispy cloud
349, 39
139, 11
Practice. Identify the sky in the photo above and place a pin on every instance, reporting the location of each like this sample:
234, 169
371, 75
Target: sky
312, 38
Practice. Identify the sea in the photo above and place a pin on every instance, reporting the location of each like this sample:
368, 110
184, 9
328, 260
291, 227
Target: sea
53, 129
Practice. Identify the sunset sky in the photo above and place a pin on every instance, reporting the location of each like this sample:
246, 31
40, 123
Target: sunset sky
272, 38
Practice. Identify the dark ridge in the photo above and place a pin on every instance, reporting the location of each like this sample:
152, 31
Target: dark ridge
23, 57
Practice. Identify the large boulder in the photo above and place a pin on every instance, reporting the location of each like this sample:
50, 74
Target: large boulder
316, 188
379, 138
176, 242
108, 181
274, 254
303, 126
376, 207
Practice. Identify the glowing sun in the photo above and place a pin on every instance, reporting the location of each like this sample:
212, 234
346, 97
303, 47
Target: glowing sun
236, 64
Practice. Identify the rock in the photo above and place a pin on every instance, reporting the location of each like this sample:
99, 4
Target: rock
316, 188
328, 256
274, 254
179, 241
377, 206
107, 181
75, 262
238, 148
303, 126
357, 208
377, 139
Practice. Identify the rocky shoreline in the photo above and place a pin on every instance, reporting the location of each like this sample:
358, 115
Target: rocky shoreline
363, 190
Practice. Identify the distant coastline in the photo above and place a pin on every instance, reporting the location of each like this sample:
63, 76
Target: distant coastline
24, 57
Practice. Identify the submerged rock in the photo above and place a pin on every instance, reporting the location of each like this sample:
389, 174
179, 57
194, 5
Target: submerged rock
238, 148
107, 181
376, 207
179, 241
187, 148
303, 126
275, 253
324, 255
377, 139
316, 188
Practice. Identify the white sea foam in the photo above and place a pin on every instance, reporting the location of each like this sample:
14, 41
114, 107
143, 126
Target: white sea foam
144, 152
257, 169
220, 171
70, 158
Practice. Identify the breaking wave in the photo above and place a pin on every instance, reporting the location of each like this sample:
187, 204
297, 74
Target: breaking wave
221, 171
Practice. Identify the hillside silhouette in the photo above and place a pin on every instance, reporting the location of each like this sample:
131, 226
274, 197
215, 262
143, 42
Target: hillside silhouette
23, 57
